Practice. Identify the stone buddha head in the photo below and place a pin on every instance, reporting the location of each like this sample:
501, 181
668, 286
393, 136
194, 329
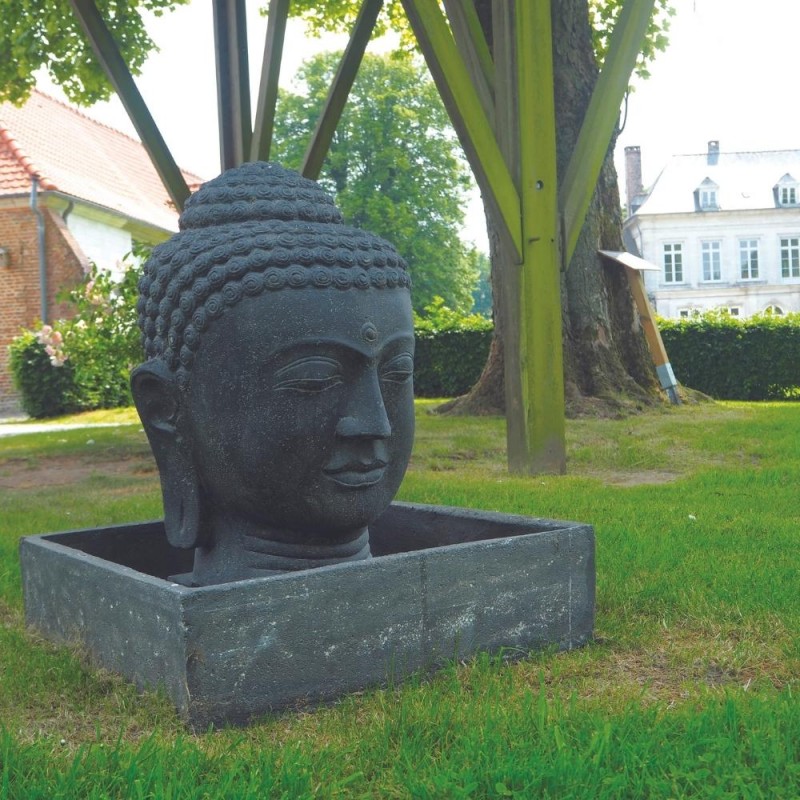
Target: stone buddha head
277, 392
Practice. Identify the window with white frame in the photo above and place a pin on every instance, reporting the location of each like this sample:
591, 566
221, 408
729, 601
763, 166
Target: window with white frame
673, 262
684, 313
790, 257
748, 259
773, 310
706, 196
711, 253
786, 191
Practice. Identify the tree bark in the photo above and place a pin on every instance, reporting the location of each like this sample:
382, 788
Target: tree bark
607, 366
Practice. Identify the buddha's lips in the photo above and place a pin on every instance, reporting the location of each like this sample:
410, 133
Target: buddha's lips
355, 474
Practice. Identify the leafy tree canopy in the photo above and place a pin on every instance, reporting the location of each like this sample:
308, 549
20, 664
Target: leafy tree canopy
603, 16
36, 34
339, 16
394, 165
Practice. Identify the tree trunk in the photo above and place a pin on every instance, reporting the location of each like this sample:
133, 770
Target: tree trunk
607, 366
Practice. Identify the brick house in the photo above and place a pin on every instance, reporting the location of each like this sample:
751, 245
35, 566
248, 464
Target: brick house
72, 191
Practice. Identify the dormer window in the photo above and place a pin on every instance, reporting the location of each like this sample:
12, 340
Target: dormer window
706, 196
787, 191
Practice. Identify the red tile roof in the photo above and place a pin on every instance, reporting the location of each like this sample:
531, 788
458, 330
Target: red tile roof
83, 158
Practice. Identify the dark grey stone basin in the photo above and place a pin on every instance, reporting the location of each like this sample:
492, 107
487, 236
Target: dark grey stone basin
445, 582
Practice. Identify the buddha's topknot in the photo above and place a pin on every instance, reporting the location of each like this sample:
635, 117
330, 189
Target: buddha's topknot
255, 228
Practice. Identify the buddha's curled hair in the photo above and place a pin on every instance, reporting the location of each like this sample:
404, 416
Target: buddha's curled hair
255, 228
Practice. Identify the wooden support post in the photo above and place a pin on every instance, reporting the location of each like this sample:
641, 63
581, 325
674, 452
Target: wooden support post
462, 12
340, 88
580, 179
505, 259
655, 343
472, 45
540, 361
107, 52
466, 113
233, 82
270, 74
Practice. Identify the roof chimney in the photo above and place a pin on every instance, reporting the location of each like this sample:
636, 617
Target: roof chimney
713, 152
633, 175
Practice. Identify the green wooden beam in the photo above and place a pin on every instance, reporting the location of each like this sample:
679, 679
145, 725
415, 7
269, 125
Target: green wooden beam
580, 179
340, 88
107, 52
478, 39
504, 41
506, 270
233, 82
466, 113
270, 74
540, 345
471, 43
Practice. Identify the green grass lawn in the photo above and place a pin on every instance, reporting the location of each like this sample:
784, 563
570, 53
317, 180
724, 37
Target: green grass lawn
689, 689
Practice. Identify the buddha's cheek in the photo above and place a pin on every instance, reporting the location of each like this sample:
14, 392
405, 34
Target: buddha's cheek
267, 454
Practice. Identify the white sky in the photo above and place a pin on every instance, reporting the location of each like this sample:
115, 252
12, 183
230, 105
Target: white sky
730, 73
179, 82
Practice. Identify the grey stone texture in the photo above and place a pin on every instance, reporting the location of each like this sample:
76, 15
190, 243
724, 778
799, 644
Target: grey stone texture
443, 583
277, 394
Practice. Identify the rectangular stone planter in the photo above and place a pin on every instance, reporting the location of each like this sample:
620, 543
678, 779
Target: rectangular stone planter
445, 582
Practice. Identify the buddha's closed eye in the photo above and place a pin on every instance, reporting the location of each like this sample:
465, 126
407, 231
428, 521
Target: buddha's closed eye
399, 369
308, 375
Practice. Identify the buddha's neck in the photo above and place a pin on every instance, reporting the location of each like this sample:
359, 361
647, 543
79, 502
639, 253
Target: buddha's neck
240, 550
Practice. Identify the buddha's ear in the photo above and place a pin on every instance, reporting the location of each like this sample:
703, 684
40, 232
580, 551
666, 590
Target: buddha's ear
157, 399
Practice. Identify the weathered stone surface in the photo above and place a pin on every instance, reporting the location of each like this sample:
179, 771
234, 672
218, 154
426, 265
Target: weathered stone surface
277, 392
445, 582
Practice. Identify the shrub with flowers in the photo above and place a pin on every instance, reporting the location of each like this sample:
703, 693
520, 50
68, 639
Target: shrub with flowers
102, 340
53, 343
83, 362
44, 381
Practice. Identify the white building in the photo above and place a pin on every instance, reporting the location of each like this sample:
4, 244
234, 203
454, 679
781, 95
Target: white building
724, 229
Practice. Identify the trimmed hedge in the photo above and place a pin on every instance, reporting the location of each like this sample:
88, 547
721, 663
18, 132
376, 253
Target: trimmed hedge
450, 352
757, 358
46, 385
83, 362
448, 363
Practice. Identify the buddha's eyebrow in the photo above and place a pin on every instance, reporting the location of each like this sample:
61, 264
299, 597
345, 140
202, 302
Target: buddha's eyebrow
313, 344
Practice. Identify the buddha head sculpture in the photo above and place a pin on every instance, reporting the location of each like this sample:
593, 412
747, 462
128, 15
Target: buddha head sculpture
277, 391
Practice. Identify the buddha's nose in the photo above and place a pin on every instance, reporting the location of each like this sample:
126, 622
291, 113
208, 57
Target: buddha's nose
365, 415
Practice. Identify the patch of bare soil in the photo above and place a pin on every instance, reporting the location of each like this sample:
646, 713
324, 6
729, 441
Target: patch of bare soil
648, 477
20, 473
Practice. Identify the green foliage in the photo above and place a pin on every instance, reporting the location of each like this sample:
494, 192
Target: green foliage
339, 16
737, 359
450, 351
102, 340
603, 15
45, 383
482, 292
437, 317
83, 362
38, 35
394, 165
